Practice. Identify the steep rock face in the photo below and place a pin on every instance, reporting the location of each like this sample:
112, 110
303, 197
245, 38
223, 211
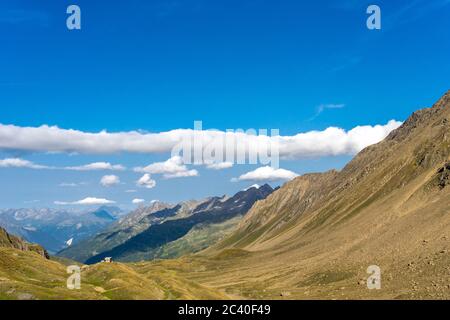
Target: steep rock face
9, 241
443, 176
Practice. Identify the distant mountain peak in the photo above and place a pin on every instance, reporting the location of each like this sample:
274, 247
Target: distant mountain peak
103, 214
112, 210
266, 187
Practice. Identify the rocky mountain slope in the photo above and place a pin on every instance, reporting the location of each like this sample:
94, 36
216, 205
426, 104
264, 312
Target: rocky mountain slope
10, 241
164, 231
411, 163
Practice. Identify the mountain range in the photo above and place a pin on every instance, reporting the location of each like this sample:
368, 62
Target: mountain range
56, 229
168, 231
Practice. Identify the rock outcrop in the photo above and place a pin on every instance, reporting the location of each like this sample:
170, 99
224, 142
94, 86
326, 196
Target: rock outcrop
10, 241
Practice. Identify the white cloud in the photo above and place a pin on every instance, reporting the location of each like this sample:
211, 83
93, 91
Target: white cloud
109, 180
32, 201
131, 191
219, 166
138, 201
72, 184
68, 184
181, 174
257, 186
146, 181
20, 163
331, 141
267, 174
97, 166
171, 168
86, 201
321, 108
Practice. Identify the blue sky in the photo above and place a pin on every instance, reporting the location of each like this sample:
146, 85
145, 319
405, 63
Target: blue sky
160, 65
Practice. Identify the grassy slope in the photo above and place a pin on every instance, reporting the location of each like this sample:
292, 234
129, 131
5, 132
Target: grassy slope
27, 275
198, 238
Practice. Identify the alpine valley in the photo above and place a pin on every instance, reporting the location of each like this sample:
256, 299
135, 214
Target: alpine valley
313, 238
